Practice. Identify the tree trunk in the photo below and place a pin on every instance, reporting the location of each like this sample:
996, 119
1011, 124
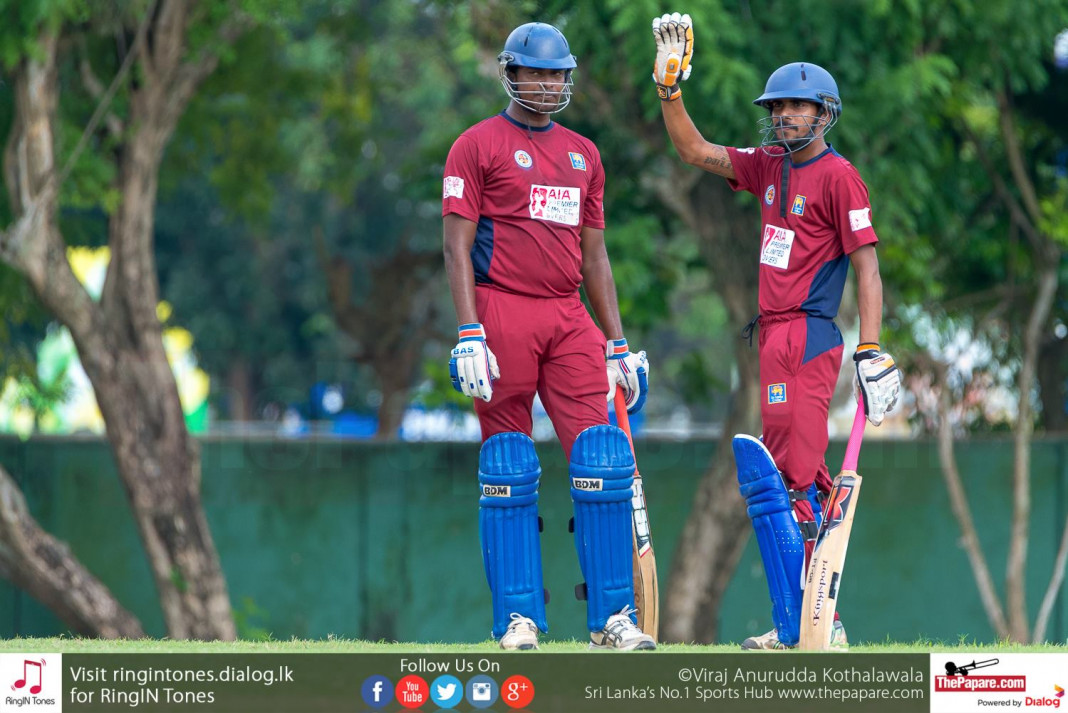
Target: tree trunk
717, 530
45, 568
1016, 567
1053, 383
119, 339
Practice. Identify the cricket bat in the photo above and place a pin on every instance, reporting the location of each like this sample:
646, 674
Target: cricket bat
646, 589
828, 558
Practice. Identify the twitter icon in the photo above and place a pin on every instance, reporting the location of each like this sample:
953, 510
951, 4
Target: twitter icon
446, 691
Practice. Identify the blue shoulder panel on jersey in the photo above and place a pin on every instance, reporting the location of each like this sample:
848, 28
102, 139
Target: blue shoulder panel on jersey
602, 473
781, 546
508, 474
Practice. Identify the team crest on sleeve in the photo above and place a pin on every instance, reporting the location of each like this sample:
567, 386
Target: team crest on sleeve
454, 187
769, 194
860, 219
578, 161
799, 205
523, 159
776, 393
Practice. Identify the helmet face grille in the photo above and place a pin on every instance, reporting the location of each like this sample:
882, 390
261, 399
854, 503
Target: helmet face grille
522, 93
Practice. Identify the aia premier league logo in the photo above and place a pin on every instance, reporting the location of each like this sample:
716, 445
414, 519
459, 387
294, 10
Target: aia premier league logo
966, 682
31, 682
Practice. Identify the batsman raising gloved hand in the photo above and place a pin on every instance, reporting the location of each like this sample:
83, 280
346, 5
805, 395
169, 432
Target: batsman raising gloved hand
816, 223
523, 230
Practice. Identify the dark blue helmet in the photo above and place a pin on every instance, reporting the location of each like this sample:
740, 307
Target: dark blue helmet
803, 80
799, 80
539, 46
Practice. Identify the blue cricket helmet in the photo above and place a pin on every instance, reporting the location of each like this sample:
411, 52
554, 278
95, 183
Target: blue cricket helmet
539, 46
799, 80
803, 80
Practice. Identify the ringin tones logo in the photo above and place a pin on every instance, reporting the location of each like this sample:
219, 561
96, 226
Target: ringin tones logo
32, 681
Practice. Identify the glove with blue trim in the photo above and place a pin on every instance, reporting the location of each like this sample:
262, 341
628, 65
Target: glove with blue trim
473, 366
629, 371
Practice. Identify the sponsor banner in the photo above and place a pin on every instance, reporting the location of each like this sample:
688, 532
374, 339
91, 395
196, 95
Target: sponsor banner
990, 681
537, 681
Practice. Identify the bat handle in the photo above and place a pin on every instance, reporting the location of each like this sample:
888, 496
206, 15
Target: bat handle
621, 415
852, 453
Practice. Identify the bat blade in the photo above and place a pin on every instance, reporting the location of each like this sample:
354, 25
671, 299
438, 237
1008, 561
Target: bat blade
828, 560
646, 586
824, 578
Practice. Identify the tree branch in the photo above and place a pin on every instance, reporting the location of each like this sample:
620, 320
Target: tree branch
961, 510
1055, 581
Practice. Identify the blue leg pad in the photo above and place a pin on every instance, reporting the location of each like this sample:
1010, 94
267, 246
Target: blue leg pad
508, 474
782, 547
602, 472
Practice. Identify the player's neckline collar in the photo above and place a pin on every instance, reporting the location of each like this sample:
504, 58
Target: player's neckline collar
817, 157
523, 126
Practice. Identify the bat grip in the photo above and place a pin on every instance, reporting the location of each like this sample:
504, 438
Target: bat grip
852, 453
621, 415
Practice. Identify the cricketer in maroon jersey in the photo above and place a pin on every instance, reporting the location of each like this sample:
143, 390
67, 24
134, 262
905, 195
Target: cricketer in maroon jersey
816, 222
523, 230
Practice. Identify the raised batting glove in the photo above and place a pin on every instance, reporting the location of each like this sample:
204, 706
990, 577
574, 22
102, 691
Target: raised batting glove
674, 50
878, 381
473, 366
629, 371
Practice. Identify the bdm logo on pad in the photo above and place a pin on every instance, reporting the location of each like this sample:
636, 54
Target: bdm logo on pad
587, 483
776, 393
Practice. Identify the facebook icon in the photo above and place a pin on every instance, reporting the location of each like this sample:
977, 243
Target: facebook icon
377, 691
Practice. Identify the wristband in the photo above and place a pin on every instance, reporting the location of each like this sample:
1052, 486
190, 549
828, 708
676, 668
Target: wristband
668, 94
616, 348
471, 332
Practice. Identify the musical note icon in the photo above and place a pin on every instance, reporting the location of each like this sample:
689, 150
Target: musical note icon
34, 690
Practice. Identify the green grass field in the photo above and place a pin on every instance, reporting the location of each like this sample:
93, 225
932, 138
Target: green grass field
355, 646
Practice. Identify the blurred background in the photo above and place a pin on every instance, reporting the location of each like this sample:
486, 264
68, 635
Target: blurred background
248, 192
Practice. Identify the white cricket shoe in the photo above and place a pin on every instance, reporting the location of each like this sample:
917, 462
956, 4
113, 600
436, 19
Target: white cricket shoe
521, 635
621, 634
770, 641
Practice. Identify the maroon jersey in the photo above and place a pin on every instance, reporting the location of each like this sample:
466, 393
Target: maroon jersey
531, 191
812, 221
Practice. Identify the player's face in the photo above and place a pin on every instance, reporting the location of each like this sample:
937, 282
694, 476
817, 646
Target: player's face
795, 120
542, 88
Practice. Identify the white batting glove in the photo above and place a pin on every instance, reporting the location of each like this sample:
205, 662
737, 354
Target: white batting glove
473, 366
878, 381
629, 371
674, 50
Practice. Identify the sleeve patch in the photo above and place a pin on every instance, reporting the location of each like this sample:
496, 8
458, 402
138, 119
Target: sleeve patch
860, 219
454, 187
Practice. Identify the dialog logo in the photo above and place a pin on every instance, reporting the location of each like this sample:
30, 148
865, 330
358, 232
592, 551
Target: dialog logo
481, 691
446, 691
